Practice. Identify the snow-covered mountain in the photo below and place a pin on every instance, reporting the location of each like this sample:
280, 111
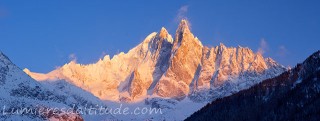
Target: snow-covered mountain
23, 98
292, 96
167, 67
166, 72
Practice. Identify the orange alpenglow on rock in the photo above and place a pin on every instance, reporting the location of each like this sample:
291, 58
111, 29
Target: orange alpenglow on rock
167, 67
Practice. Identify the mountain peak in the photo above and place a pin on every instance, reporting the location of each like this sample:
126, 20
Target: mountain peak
313, 59
163, 33
1, 54
316, 54
184, 21
183, 26
311, 64
222, 45
184, 35
167, 67
4, 58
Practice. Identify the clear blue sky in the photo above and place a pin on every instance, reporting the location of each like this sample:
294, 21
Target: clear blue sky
41, 35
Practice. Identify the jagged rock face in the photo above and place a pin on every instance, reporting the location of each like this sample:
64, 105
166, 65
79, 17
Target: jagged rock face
207, 68
220, 64
168, 67
228, 70
104, 77
153, 66
295, 91
185, 59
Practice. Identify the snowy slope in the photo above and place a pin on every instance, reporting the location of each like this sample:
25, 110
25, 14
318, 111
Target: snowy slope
179, 68
18, 91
